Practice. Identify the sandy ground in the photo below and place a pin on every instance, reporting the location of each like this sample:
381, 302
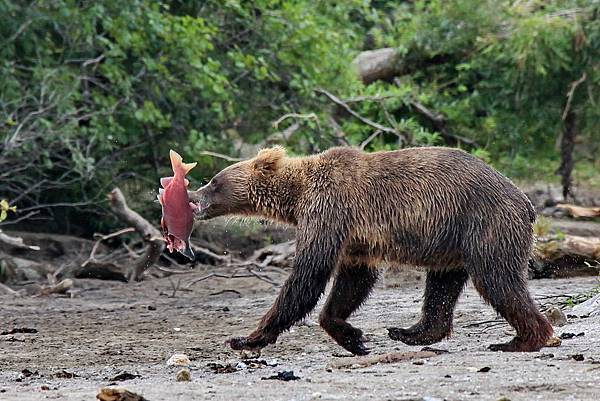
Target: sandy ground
114, 328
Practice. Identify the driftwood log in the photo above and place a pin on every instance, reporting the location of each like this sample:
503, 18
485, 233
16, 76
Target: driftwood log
576, 247
580, 211
565, 256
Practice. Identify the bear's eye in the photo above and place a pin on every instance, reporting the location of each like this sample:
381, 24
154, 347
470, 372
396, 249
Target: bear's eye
215, 183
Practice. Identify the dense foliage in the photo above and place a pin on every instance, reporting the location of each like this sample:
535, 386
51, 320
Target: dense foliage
94, 93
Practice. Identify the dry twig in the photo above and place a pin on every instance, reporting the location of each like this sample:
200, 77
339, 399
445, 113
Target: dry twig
220, 156
92, 257
570, 94
353, 113
150, 234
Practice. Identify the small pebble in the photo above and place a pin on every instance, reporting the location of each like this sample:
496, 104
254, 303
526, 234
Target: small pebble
556, 316
184, 375
249, 354
178, 360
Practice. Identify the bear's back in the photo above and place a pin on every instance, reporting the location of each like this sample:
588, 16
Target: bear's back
430, 200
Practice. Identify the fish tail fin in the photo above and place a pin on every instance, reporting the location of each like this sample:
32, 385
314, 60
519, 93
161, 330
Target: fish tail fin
176, 159
177, 162
188, 166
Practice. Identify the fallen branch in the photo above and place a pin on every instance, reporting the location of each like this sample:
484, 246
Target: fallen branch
60, 288
16, 242
250, 273
92, 257
390, 357
553, 249
150, 234
9, 290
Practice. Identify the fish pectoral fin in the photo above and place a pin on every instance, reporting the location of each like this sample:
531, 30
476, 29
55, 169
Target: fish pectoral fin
186, 182
164, 181
187, 252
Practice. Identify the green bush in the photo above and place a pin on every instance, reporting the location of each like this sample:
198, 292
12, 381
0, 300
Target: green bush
93, 94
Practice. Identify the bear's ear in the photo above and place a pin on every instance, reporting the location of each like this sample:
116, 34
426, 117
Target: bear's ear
268, 160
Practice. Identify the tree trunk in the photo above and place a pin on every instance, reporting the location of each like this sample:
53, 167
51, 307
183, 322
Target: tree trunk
567, 145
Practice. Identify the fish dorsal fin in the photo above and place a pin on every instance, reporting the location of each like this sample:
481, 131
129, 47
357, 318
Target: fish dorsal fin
165, 181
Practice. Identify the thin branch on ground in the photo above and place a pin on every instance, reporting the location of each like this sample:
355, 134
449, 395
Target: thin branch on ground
484, 322
224, 292
173, 271
92, 257
9, 290
174, 286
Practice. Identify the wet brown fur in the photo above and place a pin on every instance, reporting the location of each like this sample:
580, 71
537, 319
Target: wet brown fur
439, 208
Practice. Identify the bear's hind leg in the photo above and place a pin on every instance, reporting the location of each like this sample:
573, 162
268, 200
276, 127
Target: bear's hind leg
507, 293
442, 290
351, 287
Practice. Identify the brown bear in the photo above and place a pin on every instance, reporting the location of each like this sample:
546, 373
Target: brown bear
439, 208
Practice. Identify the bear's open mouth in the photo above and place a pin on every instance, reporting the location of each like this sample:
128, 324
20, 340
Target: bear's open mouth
199, 208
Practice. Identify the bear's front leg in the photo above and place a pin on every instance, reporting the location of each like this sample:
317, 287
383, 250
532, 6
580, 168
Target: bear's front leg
313, 265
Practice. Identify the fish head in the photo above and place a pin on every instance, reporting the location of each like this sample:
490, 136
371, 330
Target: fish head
182, 246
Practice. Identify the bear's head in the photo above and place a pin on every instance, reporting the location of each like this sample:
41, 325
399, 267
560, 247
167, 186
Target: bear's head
244, 188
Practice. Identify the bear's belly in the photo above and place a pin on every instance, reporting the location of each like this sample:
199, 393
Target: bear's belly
380, 253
